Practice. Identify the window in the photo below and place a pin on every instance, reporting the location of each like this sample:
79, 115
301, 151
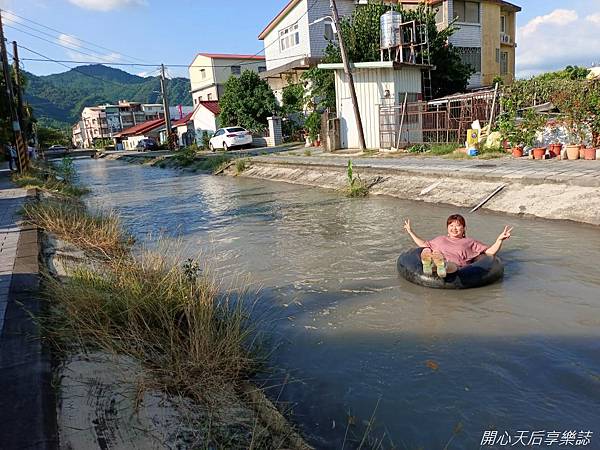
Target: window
470, 56
329, 34
199, 98
203, 73
236, 70
209, 97
497, 55
289, 37
503, 63
262, 69
503, 24
466, 12
195, 101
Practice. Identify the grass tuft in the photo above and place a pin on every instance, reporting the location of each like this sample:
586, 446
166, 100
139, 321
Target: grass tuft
69, 219
55, 179
168, 314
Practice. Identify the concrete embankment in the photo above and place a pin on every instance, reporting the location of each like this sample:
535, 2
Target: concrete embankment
565, 192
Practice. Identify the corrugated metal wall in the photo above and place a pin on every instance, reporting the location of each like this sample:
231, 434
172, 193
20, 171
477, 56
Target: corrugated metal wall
371, 85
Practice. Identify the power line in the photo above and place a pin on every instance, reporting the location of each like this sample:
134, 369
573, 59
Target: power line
78, 38
241, 62
71, 61
73, 48
71, 68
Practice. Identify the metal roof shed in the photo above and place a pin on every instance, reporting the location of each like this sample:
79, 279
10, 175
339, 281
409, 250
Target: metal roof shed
377, 83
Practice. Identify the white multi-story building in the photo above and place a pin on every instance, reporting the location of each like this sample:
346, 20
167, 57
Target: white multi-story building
210, 71
104, 121
296, 39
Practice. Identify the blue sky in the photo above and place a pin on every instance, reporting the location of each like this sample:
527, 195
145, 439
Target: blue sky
551, 33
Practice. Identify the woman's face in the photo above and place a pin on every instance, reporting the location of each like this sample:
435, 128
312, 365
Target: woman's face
456, 230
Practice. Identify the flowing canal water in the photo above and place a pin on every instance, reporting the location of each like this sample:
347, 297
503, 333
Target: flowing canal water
435, 369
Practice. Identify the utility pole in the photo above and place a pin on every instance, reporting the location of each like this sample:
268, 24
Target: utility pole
165, 100
359, 126
21, 146
19, 92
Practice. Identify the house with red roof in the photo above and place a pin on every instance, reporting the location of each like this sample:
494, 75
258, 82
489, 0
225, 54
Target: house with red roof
191, 127
210, 71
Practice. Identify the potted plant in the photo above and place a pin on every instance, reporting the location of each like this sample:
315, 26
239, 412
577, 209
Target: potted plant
313, 126
521, 132
571, 102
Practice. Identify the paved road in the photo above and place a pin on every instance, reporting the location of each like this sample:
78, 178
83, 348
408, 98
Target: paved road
576, 173
11, 200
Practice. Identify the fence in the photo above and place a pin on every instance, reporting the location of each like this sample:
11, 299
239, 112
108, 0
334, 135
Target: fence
441, 121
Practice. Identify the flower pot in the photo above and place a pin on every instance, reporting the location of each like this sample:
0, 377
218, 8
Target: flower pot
589, 153
555, 149
573, 151
581, 151
539, 152
517, 152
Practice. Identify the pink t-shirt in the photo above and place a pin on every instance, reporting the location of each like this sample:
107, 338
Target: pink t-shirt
459, 251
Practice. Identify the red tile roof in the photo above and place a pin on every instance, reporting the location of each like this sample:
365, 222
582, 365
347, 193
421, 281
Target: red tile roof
212, 106
141, 128
185, 119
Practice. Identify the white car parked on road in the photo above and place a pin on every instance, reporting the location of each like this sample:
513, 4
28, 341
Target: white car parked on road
227, 138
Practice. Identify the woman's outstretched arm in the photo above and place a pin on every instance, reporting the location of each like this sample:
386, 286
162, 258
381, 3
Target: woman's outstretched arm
420, 242
496, 246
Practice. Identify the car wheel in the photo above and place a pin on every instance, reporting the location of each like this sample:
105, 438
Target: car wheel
210, 146
225, 147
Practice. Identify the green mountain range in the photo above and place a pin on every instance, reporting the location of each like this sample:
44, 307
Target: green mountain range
58, 99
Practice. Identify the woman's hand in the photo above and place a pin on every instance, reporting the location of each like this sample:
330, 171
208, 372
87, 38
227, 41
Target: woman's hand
505, 233
407, 226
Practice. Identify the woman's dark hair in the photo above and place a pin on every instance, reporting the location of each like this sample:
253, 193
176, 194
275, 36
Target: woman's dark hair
457, 218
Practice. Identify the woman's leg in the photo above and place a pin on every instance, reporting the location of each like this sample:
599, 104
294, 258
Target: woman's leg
440, 263
426, 260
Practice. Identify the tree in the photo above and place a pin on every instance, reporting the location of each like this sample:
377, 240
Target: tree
362, 34
52, 136
247, 101
292, 98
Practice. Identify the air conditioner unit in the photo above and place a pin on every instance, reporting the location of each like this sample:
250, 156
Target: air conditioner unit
505, 38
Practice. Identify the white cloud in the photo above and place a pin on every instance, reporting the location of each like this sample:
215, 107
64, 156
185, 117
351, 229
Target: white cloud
68, 41
143, 74
557, 17
107, 5
73, 44
594, 18
555, 40
9, 17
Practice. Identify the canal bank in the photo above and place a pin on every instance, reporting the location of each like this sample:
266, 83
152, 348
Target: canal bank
558, 190
187, 381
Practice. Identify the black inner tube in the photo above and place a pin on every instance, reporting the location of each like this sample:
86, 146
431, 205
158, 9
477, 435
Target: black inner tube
483, 270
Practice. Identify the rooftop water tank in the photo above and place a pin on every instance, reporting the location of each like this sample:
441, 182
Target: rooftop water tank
390, 24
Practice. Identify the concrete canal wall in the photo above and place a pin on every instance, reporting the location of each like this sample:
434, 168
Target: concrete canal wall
566, 198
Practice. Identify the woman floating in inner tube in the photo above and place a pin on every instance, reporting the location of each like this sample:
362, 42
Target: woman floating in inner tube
452, 252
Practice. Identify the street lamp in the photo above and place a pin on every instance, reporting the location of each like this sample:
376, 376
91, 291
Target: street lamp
331, 21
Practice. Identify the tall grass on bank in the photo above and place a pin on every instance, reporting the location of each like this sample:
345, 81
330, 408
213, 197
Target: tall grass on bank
70, 220
173, 318
59, 178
